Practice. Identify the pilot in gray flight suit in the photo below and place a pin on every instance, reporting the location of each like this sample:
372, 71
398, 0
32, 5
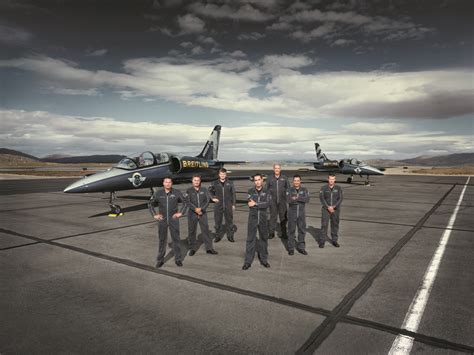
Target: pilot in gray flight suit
298, 197
330, 196
198, 201
258, 200
167, 200
277, 185
223, 194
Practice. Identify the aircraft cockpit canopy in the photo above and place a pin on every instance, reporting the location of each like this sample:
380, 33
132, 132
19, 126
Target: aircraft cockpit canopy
142, 160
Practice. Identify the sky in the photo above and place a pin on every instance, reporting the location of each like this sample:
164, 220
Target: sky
386, 79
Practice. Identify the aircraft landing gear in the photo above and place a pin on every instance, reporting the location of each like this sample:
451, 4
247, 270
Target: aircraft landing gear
115, 210
367, 182
349, 179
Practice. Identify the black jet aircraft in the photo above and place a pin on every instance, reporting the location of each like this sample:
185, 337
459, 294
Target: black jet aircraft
147, 170
344, 166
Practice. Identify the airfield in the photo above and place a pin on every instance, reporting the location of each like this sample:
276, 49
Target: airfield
74, 280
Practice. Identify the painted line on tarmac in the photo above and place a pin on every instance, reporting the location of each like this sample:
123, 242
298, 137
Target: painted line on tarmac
438, 342
342, 309
403, 344
19, 246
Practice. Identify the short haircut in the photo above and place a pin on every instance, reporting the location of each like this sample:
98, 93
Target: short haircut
222, 170
276, 164
296, 176
167, 177
331, 174
258, 174
196, 176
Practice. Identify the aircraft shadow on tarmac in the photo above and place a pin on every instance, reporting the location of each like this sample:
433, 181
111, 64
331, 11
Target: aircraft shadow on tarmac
142, 206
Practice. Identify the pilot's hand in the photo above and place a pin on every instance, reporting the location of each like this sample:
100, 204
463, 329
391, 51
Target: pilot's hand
294, 198
158, 217
177, 215
198, 211
233, 208
252, 203
331, 209
215, 200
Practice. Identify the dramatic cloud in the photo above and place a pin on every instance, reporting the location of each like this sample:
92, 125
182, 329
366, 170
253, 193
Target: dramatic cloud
14, 36
332, 23
244, 12
377, 128
97, 52
226, 83
191, 24
36, 132
252, 36
65, 91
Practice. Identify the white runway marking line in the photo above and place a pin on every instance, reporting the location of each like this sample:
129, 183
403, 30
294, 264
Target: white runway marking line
403, 343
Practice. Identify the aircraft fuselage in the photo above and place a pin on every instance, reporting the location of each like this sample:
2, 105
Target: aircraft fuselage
180, 169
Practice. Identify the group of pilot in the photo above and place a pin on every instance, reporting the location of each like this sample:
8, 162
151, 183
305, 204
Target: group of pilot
286, 202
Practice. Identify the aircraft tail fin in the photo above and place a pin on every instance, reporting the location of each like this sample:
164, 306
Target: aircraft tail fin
211, 148
319, 154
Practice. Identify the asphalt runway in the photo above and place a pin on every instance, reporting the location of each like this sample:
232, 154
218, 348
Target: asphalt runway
73, 280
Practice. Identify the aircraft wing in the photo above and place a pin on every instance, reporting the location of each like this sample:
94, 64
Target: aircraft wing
236, 162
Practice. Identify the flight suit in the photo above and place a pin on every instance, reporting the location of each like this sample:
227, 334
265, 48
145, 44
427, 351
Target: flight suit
225, 193
278, 188
257, 222
168, 204
297, 216
330, 197
198, 199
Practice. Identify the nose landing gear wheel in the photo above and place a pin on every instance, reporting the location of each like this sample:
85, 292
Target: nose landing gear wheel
115, 210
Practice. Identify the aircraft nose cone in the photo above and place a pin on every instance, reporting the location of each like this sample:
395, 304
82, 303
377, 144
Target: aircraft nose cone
76, 187
373, 171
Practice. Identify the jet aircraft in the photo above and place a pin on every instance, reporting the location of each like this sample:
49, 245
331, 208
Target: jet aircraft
345, 166
147, 170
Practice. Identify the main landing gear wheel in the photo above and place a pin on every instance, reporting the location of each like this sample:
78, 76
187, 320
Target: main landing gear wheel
367, 182
349, 180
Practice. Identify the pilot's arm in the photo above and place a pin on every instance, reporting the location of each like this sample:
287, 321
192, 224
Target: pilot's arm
205, 204
152, 204
338, 204
303, 197
321, 198
234, 198
184, 203
191, 205
212, 193
265, 204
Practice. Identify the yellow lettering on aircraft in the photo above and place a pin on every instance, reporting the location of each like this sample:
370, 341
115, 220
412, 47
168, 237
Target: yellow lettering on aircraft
194, 164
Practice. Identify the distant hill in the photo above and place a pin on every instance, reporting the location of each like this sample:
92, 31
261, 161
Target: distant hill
6, 151
442, 160
108, 159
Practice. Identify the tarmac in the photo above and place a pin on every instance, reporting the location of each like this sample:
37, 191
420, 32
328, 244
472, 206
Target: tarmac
73, 280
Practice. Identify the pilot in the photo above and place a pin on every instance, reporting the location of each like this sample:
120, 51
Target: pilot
198, 200
259, 201
331, 200
277, 185
298, 197
223, 194
167, 200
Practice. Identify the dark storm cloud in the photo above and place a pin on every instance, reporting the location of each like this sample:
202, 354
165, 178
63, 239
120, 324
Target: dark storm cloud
14, 36
438, 105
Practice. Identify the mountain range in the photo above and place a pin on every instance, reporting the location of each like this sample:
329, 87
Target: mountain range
458, 159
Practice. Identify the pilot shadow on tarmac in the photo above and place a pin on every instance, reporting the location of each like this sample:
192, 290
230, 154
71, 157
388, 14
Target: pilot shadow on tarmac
185, 247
